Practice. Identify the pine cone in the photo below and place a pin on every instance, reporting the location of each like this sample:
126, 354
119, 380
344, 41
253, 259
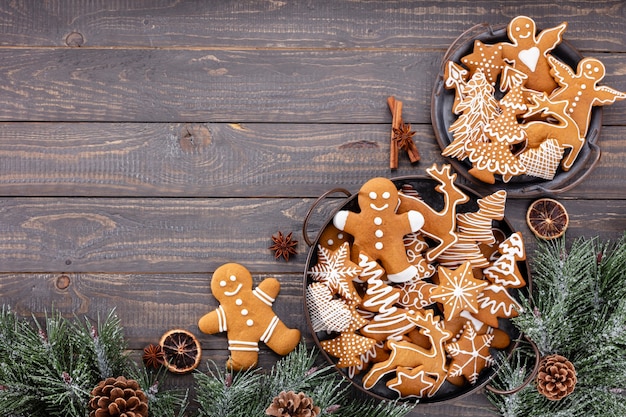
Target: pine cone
556, 377
118, 397
290, 404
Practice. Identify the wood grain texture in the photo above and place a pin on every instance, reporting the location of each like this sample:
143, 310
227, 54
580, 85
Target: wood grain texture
286, 86
293, 24
210, 160
196, 235
144, 144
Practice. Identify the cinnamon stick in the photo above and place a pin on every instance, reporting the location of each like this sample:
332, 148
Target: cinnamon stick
395, 106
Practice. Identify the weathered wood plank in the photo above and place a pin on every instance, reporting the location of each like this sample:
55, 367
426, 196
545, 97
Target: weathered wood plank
287, 86
227, 160
196, 235
292, 24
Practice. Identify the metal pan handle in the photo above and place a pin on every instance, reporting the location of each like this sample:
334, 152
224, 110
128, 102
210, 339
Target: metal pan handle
305, 223
528, 379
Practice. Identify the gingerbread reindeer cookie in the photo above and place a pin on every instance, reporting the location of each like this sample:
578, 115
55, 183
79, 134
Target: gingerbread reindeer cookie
246, 315
378, 230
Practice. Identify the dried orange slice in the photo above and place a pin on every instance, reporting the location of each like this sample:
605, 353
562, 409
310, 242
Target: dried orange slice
547, 218
182, 351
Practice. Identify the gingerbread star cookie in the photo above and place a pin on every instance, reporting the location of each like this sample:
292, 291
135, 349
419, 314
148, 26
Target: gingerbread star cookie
488, 59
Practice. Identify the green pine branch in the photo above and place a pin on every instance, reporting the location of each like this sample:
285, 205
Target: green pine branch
50, 368
578, 310
222, 393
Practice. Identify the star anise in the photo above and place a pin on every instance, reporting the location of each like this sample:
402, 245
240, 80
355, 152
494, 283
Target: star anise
283, 245
403, 137
153, 356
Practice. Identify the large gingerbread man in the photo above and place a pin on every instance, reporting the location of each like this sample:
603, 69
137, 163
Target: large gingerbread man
378, 230
246, 315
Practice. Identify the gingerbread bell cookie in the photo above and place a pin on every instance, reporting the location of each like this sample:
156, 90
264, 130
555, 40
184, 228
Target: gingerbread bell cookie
520, 109
246, 315
413, 298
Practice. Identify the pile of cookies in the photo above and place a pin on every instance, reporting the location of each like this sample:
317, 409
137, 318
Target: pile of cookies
520, 109
409, 297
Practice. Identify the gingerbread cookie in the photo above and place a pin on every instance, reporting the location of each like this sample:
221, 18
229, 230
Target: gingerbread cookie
544, 160
581, 90
528, 52
561, 128
246, 315
415, 245
504, 270
378, 230
336, 270
455, 77
407, 354
349, 347
332, 238
326, 313
477, 108
504, 128
488, 59
496, 302
478, 226
490, 158
416, 294
439, 225
470, 354
388, 321
458, 290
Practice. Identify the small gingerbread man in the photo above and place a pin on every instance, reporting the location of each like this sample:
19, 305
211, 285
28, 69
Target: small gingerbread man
581, 89
378, 230
246, 315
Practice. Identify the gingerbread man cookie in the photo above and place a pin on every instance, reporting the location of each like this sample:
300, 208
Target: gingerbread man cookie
581, 90
378, 230
246, 315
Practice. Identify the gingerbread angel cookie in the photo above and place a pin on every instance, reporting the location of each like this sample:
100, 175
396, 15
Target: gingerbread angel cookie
378, 230
246, 315
528, 52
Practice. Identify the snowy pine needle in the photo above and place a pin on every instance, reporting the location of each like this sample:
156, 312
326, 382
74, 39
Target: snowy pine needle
578, 310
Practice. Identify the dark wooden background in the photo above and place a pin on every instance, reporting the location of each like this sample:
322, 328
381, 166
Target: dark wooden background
145, 143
